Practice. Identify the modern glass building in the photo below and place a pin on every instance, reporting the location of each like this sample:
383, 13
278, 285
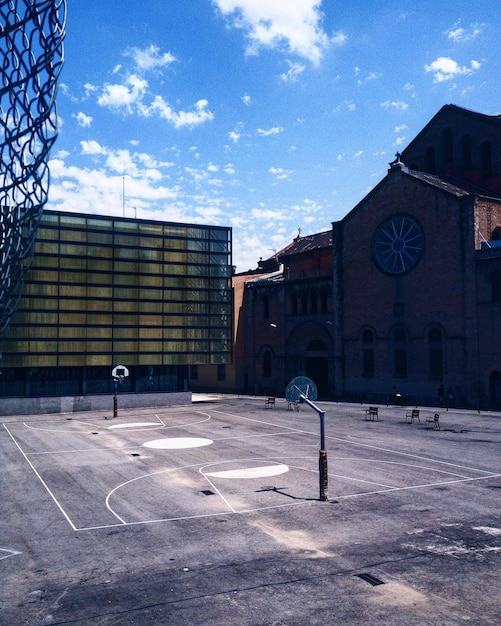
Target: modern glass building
102, 291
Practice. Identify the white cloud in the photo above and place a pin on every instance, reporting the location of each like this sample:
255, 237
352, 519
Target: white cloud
180, 118
371, 76
268, 214
348, 104
131, 95
234, 136
445, 68
295, 69
295, 25
92, 147
409, 87
90, 89
124, 96
459, 34
150, 58
396, 104
280, 173
83, 120
123, 161
246, 100
130, 98
271, 131
339, 38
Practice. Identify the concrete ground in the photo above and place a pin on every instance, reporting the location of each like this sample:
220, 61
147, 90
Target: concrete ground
210, 514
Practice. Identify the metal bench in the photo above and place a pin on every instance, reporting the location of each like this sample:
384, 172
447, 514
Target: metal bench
269, 403
410, 416
371, 413
433, 421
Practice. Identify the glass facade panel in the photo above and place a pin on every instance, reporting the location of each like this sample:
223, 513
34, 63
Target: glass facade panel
70, 331
99, 265
102, 291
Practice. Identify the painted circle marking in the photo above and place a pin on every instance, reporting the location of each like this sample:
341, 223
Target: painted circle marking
178, 443
251, 472
134, 425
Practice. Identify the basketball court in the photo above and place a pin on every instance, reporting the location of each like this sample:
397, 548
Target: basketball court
96, 507
185, 463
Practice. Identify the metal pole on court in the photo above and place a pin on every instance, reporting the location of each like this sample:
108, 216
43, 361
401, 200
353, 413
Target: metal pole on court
115, 400
322, 459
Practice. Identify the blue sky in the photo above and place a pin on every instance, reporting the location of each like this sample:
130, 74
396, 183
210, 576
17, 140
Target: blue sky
269, 116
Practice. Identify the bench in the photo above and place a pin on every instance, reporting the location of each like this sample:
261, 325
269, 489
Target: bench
433, 421
410, 416
371, 413
270, 402
293, 406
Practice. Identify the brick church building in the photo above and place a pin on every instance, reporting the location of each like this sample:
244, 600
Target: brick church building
403, 293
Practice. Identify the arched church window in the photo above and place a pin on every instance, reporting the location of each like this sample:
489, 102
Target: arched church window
448, 152
486, 159
435, 353
267, 363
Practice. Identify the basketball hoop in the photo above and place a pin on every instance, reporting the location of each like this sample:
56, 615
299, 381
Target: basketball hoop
118, 374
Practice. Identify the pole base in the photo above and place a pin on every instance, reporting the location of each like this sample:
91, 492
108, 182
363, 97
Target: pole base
323, 475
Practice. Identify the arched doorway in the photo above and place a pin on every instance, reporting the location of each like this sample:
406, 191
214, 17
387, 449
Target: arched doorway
317, 366
309, 351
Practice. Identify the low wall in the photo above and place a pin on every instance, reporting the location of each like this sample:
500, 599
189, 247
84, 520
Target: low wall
38, 406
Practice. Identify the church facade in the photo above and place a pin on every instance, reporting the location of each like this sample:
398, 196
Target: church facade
402, 295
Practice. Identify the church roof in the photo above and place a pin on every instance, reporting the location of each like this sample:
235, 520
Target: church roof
440, 183
307, 243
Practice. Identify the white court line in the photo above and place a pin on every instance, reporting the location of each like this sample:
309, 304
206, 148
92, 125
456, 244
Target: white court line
40, 479
282, 505
356, 443
183, 425
60, 430
410, 487
9, 553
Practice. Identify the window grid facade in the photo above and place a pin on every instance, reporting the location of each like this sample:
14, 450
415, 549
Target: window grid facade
103, 291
